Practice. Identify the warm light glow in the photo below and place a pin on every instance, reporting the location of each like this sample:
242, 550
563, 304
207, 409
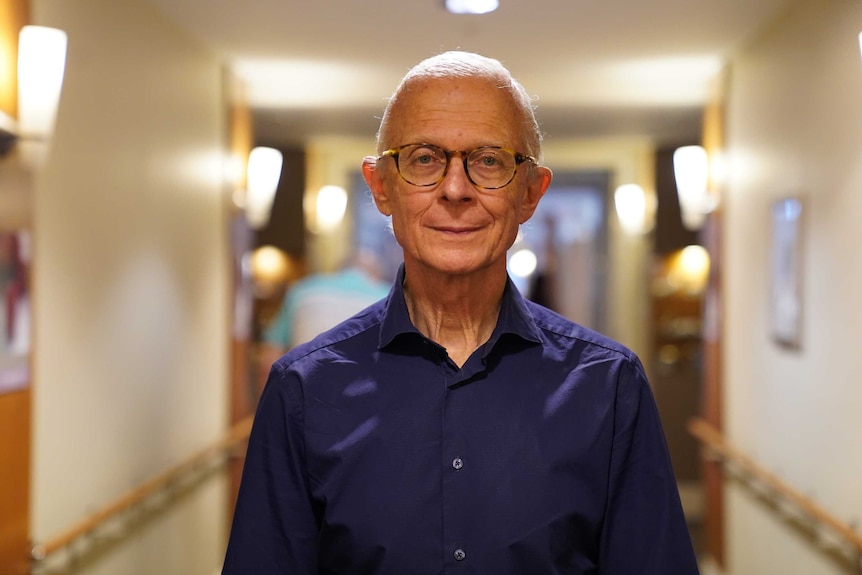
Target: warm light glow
270, 269
718, 172
691, 171
689, 270
630, 202
269, 264
331, 206
233, 170
41, 65
471, 6
264, 172
522, 263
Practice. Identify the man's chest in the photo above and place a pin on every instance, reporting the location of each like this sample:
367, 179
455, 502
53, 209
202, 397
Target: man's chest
420, 460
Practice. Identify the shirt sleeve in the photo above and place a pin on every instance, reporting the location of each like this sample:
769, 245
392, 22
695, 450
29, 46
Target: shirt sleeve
275, 528
645, 531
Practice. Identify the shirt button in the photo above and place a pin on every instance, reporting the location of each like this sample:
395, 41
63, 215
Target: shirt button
457, 463
459, 555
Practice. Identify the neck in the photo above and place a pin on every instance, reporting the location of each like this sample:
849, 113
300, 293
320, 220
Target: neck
458, 312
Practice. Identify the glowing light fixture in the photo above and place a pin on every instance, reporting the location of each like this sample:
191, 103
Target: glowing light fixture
523, 263
270, 268
268, 263
691, 171
331, 205
689, 270
471, 6
264, 172
41, 66
630, 203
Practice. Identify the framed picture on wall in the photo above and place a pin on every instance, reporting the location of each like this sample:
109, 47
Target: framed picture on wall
786, 273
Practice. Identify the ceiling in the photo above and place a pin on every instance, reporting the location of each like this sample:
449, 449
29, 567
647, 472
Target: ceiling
597, 67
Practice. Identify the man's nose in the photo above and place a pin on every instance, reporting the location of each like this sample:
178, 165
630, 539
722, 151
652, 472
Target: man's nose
456, 184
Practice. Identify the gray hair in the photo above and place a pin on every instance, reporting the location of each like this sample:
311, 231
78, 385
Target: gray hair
457, 64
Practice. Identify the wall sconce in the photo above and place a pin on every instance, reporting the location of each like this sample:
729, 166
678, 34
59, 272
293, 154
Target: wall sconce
691, 167
523, 263
271, 269
631, 205
688, 270
264, 173
41, 66
471, 6
325, 210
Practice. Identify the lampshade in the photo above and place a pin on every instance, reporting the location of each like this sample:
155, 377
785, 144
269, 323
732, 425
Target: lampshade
630, 203
471, 6
264, 172
691, 171
331, 207
41, 65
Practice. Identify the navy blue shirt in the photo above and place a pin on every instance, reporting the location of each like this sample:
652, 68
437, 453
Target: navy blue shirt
373, 453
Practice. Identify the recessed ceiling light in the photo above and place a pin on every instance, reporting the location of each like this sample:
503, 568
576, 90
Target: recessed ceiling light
471, 6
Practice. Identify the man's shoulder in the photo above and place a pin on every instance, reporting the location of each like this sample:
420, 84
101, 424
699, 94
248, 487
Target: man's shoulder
566, 332
358, 332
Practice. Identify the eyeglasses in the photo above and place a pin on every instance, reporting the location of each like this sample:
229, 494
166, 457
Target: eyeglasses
489, 167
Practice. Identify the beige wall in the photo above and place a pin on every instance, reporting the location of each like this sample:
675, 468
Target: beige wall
130, 283
795, 128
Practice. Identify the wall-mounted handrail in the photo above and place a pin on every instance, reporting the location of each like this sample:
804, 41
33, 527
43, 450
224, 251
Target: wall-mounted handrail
716, 443
231, 440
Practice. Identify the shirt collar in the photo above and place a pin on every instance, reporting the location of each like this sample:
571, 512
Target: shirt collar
515, 318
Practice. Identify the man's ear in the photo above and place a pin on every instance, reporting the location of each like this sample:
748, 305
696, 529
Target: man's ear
540, 179
374, 180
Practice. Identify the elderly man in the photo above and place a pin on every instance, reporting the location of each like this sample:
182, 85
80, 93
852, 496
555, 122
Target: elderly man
455, 427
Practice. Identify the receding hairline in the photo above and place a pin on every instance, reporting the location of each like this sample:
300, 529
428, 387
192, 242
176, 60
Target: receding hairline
454, 65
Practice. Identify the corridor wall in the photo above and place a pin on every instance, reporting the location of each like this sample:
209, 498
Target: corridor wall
795, 129
130, 283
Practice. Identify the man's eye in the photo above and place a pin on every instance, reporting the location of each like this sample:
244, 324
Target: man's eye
487, 160
424, 157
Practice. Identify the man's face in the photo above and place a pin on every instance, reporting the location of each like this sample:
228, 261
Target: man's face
455, 227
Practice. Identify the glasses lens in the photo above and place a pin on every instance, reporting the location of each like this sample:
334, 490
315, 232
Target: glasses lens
421, 164
491, 167
488, 167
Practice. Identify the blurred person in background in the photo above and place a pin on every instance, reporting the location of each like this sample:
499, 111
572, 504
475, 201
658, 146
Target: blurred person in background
318, 302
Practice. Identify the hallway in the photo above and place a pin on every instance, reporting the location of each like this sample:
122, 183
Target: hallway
140, 340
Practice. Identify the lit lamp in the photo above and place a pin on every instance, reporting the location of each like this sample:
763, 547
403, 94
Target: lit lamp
689, 270
270, 268
471, 6
630, 203
331, 205
523, 263
325, 209
41, 65
264, 173
691, 171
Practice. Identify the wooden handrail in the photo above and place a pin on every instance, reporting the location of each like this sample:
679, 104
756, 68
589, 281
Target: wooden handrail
713, 439
235, 436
